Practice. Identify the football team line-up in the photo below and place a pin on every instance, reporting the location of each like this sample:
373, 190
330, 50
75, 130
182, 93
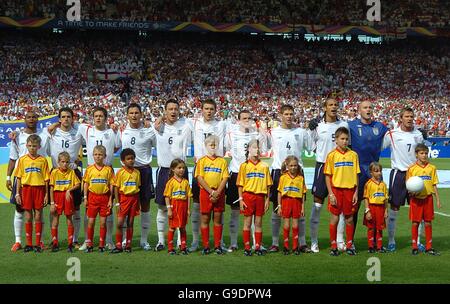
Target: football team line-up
347, 175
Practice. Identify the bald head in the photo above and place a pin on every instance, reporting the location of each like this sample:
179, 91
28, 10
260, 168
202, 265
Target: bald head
366, 111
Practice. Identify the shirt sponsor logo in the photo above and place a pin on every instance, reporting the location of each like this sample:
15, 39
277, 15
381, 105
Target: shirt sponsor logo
98, 181
32, 169
62, 182
292, 189
343, 164
175, 193
425, 177
211, 169
378, 194
255, 174
128, 184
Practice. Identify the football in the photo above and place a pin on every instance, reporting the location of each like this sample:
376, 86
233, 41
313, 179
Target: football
414, 184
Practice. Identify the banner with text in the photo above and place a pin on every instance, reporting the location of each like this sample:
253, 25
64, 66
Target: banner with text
7, 127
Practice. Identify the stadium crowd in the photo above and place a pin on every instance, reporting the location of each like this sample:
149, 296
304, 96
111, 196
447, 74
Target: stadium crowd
51, 72
432, 13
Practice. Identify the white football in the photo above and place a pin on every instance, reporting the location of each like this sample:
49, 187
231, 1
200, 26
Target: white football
414, 184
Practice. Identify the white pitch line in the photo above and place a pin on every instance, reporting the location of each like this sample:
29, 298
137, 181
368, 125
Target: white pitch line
443, 214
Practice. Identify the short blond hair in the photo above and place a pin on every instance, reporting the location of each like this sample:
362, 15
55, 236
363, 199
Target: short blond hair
100, 148
212, 138
64, 155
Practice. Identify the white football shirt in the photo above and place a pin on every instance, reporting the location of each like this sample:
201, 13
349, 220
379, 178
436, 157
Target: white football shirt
141, 141
94, 137
323, 138
172, 142
18, 147
403, 145
64, 141
201, 129
285, 142
236, 141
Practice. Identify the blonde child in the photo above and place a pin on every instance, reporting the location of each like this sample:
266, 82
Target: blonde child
212, 175
63, 181
98, 188
253, 183
32, 174
292, 195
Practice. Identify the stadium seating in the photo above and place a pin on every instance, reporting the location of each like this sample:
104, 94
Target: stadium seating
48, 71
432, 13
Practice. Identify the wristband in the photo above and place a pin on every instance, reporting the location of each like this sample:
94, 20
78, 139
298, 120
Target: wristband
241, 198
52, 203
168, 207
367, 210
8, 178
17, 195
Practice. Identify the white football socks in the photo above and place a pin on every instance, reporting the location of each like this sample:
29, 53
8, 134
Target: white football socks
86, 223
195, 221
314, 222
109, 229
276, 223
124, 231
161, 223
18, 226
76, 225
234, 227
302, 231
392, 220
340, 230
43, 225
253, 232
178, 238
145, 227
421, 229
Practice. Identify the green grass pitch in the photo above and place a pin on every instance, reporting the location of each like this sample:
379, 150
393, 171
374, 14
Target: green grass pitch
159, 267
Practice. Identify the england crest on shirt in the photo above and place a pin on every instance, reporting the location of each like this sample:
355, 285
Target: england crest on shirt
376, 131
